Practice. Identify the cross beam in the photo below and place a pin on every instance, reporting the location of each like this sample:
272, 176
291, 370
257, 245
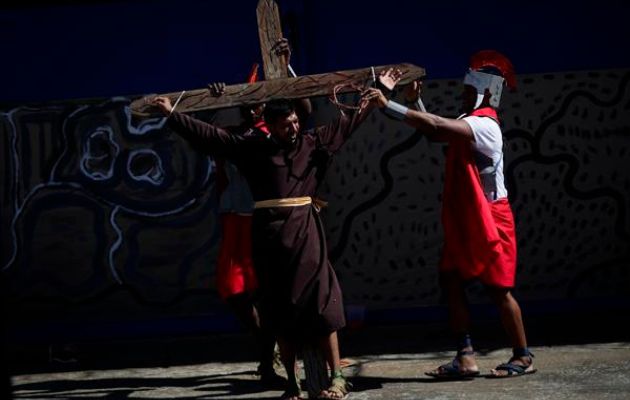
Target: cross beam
277, 84
289, 88
269, 31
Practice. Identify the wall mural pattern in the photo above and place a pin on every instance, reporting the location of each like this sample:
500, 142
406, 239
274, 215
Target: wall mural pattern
566, 136
105, 217
96, 206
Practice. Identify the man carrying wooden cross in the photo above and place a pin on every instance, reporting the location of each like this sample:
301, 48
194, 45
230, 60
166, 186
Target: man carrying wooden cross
236, 281
300, 297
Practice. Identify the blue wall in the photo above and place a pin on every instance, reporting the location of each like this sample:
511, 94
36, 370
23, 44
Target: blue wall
109, 48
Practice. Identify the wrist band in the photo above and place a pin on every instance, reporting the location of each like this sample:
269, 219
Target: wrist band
395, 110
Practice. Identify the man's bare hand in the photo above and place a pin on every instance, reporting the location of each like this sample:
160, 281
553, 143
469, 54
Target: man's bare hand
163, 103
217, 89
390, 78
413, 91
282, 49
375, 96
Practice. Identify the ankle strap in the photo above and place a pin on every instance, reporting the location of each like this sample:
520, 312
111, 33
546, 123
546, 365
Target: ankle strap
464, 340
465, 353
518, 352
338, 374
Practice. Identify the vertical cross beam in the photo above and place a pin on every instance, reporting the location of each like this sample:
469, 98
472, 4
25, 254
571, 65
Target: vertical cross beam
269, 31
277, 85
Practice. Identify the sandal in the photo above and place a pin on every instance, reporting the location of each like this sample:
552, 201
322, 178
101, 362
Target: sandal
453, 370
339, 388
512, 369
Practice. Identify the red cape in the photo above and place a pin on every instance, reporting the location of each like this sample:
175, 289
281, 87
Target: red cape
479, 236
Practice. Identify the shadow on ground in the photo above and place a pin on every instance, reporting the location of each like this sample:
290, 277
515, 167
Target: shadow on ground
565, 329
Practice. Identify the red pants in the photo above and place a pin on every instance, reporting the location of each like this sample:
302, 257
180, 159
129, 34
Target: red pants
235, 270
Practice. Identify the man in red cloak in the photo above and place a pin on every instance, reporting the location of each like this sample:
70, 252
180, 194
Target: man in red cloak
479, 234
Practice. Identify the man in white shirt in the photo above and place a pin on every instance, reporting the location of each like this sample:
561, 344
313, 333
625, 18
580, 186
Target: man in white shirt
479, 234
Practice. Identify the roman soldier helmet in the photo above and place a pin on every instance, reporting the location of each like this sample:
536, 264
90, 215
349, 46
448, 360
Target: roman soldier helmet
490, 70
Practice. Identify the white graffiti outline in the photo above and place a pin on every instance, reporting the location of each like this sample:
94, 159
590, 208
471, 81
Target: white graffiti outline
149, 176
144, 128
86, 157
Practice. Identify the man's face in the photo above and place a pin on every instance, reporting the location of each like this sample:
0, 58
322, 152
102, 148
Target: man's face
285, 129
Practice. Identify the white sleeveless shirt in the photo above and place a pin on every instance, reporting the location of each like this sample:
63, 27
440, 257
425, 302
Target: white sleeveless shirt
488, 143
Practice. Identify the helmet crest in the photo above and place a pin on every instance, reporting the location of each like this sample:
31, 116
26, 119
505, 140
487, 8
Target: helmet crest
494, 59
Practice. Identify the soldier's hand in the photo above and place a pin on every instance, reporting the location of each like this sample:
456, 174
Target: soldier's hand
373, 95
217, 89
413, 91
390, 78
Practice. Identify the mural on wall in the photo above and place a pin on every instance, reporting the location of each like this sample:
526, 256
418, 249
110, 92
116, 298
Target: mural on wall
107, 217
567, 138
97, 205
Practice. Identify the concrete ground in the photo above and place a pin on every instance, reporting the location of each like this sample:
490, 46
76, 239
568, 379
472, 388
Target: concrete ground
591, 371
576, 359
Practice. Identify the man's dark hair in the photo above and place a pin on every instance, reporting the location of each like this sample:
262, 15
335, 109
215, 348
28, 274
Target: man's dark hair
276, 109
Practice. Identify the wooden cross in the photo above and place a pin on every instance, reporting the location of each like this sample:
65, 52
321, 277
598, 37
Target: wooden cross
269, 31
277, 85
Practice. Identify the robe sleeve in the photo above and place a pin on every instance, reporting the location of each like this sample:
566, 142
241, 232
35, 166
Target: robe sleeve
205, 137
334, 135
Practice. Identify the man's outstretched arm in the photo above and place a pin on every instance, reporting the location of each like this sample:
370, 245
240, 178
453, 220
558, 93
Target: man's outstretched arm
438, 128
203, 136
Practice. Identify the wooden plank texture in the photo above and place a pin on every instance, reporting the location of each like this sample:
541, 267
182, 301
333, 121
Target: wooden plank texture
269, 32
291, 88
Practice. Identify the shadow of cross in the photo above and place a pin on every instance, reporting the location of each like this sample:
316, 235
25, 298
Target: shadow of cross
277, 84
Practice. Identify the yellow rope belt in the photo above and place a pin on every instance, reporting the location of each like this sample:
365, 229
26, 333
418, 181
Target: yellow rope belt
289, 202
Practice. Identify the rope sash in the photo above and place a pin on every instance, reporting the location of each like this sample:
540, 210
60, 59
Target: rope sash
288, 202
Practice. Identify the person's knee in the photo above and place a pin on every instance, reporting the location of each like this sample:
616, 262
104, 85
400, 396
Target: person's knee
500, 296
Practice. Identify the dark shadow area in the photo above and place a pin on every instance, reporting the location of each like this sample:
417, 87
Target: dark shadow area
572, 328
547, 330
209, 387
133, 353
363, 383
